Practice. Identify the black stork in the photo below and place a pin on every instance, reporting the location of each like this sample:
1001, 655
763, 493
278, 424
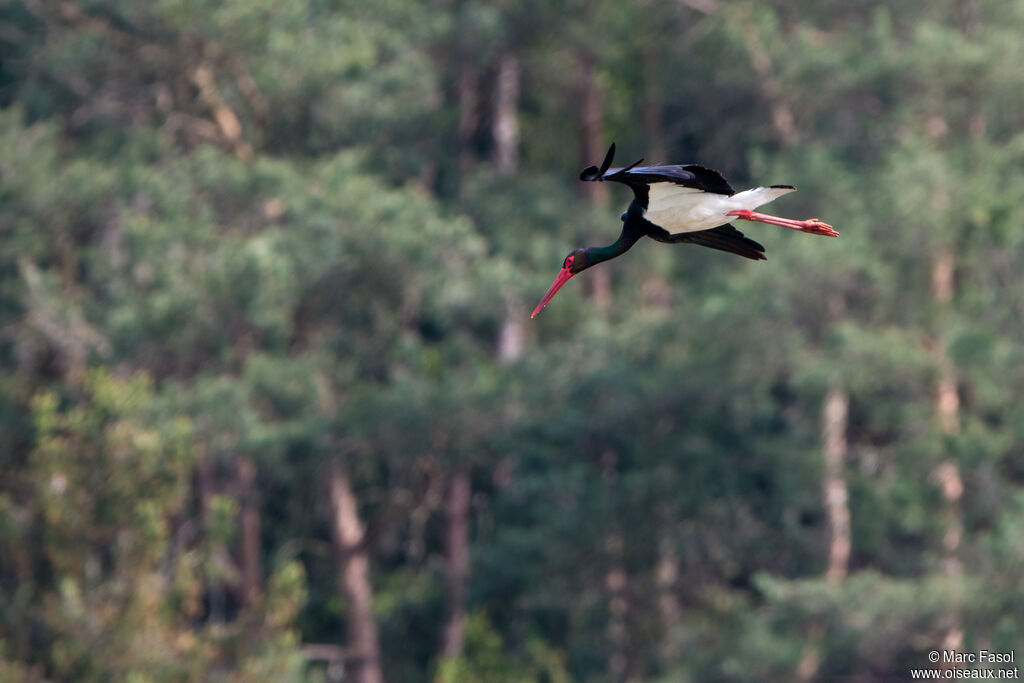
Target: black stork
680, 203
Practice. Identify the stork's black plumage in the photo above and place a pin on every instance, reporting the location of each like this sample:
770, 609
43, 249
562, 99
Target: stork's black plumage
682, 203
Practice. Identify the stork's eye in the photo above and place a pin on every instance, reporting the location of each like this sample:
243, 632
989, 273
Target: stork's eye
568, 261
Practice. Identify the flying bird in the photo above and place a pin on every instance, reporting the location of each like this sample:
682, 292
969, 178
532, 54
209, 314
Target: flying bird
680, 203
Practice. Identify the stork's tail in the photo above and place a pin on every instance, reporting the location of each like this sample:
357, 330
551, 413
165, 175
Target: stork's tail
751, 199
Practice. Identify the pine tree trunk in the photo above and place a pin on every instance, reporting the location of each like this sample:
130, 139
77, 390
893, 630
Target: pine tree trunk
618, 607
592, 148
666, 575
834, 419
783, 120
512, 336
506, 115
469, 114
250, 551
505, 157
456, 561
947, 473
653, 123
947, 398
206, 487
591, 100
835, 416
354, 579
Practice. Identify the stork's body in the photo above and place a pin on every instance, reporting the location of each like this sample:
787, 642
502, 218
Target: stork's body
678, 209
680, 203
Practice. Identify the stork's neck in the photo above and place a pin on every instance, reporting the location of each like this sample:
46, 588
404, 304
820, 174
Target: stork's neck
627, 238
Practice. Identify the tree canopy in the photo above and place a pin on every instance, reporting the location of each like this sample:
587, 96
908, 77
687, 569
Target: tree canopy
272, 406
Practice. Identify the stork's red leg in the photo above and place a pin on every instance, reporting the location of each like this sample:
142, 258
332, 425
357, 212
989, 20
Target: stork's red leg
811, 225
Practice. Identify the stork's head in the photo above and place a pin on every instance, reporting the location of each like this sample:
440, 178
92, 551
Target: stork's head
576, 262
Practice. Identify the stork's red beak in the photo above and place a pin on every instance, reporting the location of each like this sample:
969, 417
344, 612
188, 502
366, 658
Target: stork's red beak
563, 277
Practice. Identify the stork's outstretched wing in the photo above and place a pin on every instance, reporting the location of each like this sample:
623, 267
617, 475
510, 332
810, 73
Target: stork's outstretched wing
639, 178
724, 238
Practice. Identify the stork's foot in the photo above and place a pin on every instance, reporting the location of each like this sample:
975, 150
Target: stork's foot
811, 225
816, 227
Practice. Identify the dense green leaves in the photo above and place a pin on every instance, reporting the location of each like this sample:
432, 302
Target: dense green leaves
100, 586
244, 242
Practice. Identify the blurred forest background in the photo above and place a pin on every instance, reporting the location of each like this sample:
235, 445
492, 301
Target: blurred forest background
272, 407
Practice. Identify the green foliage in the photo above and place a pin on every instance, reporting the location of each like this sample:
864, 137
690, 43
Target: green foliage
485, 659
103, 589
255, 233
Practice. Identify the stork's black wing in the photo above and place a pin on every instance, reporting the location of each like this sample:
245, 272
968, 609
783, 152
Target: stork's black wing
687, 175
639, 177
724, 238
